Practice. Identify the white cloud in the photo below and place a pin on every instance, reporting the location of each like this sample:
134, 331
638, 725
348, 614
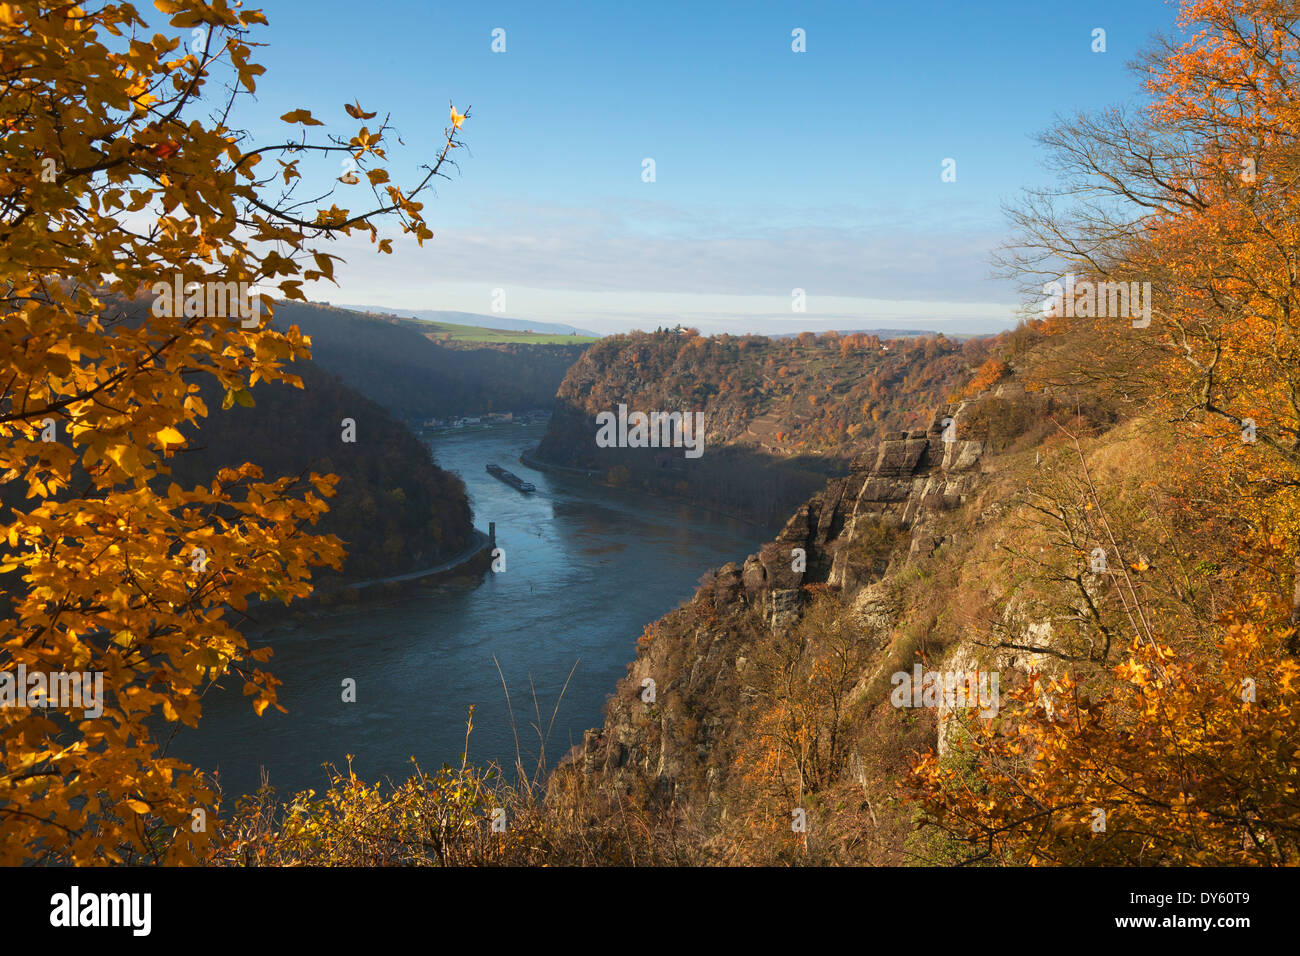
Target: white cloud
642, 264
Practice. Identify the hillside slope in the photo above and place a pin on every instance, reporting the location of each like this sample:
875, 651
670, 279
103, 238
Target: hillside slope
395, 510
780, 416
476, 320
952, 549
414, 378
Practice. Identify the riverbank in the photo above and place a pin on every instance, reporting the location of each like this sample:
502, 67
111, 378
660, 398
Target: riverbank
529, 458
478, 544
465, 567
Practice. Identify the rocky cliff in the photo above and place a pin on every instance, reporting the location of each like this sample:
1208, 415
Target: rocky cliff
806, 632
899, 484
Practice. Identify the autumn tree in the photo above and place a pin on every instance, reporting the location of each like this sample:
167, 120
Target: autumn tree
1182, 752
800, 714
1192, 198
987, 375
125, 176
1167, 760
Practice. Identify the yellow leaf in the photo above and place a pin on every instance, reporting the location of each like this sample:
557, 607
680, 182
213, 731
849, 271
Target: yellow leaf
301, 116
169, 436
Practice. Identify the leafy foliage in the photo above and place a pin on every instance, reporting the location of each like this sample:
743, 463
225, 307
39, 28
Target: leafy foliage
1181, 761
120, 171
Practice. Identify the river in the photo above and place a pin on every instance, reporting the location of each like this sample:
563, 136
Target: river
586, 568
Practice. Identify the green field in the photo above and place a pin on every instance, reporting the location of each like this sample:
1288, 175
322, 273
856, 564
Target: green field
440, 331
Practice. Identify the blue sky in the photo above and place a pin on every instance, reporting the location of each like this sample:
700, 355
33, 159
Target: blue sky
774, 170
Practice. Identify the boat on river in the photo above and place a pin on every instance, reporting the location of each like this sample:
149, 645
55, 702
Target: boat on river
511, 479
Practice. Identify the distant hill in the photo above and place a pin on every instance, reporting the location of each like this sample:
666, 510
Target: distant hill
469, 336
780, 415
474, 320
883, 334
394, 362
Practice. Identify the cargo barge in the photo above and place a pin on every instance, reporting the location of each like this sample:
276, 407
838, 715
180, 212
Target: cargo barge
511, 479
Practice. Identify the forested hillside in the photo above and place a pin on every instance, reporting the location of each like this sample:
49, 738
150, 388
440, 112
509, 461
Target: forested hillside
780, 415
773, 683
390, 362
395, 510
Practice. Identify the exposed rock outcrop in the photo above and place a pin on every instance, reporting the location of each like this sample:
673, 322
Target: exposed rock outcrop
844, 537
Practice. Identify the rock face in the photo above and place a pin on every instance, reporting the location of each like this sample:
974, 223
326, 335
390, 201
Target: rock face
904, 480
699, 654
